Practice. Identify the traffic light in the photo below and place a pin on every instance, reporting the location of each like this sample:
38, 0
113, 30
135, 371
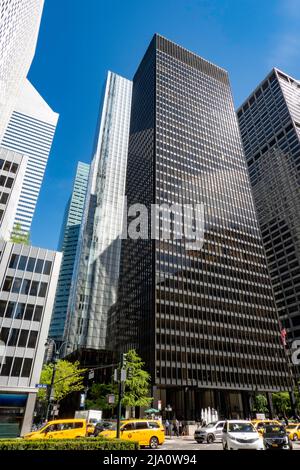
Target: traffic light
129, 373
124, 360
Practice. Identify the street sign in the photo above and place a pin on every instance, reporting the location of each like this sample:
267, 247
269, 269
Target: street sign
91, 374
123, 375
111, 399
41, 385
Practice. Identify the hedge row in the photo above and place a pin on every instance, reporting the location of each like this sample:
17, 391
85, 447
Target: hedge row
67, 444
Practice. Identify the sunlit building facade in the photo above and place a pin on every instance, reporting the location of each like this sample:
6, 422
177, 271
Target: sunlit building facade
97, 270
270, 128
204, 320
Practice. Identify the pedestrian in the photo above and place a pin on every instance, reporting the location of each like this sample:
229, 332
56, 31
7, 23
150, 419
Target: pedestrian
184, 428
180, 428
167, 427
175, 428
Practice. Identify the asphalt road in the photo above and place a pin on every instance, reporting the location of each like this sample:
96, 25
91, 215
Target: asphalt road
188, 443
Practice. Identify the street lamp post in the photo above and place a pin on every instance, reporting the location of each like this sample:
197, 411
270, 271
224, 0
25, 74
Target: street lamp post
51, 387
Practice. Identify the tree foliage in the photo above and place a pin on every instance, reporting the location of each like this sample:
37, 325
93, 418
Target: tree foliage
260, 404
137, 388
68, 378
19, 236
97, 396
282, 402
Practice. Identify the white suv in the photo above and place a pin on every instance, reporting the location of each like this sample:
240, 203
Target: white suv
238, 434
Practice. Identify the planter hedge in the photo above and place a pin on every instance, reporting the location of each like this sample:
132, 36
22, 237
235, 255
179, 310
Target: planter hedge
67, 444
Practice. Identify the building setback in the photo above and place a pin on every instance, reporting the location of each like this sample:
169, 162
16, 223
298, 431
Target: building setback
97, 267
28, 278
30, 131
203, 320
68, 245
270, 128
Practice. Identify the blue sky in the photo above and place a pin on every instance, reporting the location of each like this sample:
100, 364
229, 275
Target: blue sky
81, 39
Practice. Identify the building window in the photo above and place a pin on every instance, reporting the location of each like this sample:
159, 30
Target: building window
7, 284
47, 268
32, 339
26, 367
17, 367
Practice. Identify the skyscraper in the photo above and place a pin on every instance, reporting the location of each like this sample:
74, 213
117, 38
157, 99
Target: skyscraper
30, 131
270, 128
204, 320
19, 27
68, 245
95, 285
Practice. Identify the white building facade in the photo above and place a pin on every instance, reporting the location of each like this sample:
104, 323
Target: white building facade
28, 279
30, 132
19, 27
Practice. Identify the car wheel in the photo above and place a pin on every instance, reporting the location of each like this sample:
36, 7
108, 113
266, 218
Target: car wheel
153, 444
295, 437
210, 439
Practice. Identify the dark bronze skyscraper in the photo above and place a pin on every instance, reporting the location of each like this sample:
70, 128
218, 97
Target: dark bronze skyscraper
270, 127
203, 320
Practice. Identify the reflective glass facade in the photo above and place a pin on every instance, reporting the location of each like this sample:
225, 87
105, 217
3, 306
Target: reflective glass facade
97, 268
201, 319
270, 128
68, 245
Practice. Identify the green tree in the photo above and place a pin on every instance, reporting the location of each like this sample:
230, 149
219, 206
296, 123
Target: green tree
137, 387
68, 378
18, 236
97, 396
260, 404
282, 402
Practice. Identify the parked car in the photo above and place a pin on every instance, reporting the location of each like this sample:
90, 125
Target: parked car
102, 426
238, 434
293, 430
60, 429
209, 433
276, 437
147, 432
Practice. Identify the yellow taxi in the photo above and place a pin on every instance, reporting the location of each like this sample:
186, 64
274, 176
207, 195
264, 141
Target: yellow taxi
293, 430
147, 432
60, 429
260, 424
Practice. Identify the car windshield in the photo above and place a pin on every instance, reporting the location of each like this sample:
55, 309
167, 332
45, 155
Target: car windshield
211, 425
274, 429
241, 427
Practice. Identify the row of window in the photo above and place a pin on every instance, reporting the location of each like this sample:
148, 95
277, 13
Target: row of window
25, 286
16, 367
18, 338
20, 311
30, 264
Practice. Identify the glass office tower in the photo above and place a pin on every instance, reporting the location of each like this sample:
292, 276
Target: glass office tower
97, 269
203, 320
270, 128
68, 245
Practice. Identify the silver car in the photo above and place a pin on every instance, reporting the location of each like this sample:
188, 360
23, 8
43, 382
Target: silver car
210, 433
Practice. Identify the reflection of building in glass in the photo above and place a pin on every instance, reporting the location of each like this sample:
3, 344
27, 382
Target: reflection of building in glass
68, 245
97, 270
270, 128
204, 320
28, 278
